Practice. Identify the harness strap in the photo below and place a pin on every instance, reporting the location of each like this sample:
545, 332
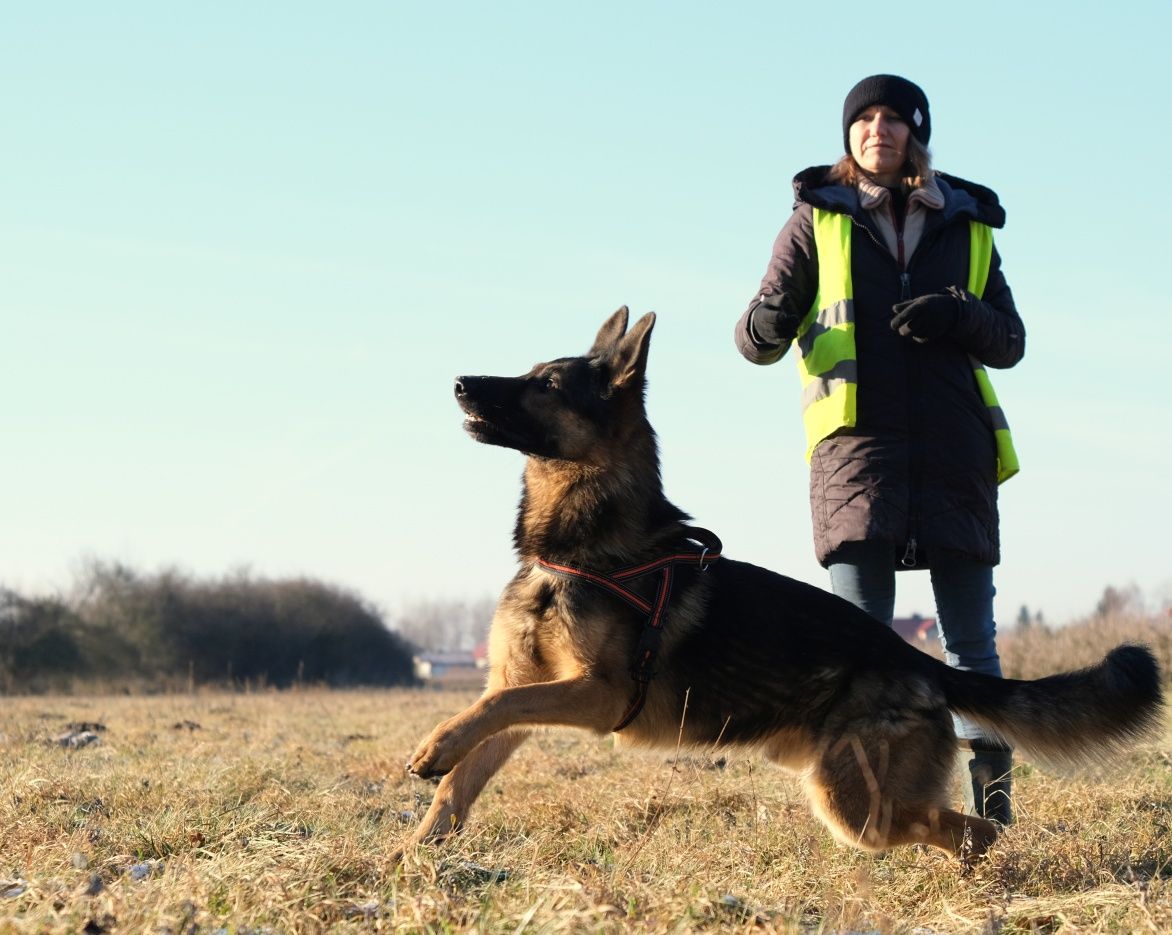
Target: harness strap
642, 670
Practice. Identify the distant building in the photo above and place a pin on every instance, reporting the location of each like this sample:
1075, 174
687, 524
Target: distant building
915, 629
453, 668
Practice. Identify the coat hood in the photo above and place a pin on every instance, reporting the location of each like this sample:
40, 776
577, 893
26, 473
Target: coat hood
962, 199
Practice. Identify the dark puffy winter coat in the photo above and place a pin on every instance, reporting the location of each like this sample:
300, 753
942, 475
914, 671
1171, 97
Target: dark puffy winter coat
919, 469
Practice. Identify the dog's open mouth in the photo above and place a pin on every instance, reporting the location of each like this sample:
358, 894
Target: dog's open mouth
492, 433
505, 433
476, 426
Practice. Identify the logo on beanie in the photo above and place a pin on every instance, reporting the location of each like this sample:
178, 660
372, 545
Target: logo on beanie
918, 118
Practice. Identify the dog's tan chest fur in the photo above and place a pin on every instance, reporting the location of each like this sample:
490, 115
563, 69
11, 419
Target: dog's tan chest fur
535, 636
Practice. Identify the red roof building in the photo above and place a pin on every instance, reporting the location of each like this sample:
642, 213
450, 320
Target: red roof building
915, 629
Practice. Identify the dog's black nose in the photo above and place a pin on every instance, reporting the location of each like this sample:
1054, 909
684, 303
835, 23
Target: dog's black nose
460, 391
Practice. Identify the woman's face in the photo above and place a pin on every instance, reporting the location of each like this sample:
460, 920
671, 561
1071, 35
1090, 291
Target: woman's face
878, 139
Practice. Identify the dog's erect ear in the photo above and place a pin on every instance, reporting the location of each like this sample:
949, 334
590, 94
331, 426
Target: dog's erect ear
630, 362
610, 332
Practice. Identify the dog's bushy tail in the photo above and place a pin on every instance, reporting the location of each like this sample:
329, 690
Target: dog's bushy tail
1069, 720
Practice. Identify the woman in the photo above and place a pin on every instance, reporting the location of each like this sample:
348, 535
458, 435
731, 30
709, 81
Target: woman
886, 281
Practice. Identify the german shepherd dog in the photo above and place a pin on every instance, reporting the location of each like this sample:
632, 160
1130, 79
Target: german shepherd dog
621, 617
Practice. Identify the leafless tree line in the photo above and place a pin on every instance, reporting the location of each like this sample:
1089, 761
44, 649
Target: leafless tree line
434, 626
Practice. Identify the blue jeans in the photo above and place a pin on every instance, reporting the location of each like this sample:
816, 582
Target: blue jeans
864, 574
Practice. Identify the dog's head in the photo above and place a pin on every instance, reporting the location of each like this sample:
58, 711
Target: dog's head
565, 408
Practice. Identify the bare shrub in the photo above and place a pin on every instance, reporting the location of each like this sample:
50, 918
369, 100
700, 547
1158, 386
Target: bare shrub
1036, 651
166, 629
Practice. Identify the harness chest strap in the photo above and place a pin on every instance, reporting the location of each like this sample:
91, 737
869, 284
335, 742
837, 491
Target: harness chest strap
655, 609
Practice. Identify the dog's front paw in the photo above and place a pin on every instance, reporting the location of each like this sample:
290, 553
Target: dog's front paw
436, 755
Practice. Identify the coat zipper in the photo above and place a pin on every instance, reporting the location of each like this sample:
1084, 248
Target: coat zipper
898, 221
915, 454
909, 559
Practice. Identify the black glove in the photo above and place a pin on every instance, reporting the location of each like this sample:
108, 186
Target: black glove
927, 318
774, 320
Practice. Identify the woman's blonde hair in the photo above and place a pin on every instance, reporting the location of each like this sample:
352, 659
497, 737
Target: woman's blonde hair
916, 169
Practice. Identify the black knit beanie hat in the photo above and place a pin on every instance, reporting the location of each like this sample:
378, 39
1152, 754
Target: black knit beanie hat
905, 98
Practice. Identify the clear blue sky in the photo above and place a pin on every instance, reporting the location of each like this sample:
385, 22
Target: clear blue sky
244, 249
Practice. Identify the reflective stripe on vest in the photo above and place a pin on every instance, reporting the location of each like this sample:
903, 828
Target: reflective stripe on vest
826, 338
826, 358
980, 258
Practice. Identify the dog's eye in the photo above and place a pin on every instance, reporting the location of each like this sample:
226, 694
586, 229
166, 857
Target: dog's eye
550, 383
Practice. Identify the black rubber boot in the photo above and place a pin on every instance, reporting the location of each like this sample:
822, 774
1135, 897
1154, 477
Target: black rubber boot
986, 777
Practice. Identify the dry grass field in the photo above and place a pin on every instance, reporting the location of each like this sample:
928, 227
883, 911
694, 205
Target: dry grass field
220, 812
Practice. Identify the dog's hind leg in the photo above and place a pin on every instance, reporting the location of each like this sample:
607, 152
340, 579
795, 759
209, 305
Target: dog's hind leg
875, 797
460, 788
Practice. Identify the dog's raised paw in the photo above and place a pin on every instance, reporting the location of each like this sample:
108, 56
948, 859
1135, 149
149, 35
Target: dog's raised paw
430, 761
420, 770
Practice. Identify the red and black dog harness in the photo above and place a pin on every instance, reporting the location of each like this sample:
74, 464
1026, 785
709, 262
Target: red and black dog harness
656, 609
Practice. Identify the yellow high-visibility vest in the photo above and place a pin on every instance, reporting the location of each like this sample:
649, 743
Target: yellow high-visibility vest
826, 357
